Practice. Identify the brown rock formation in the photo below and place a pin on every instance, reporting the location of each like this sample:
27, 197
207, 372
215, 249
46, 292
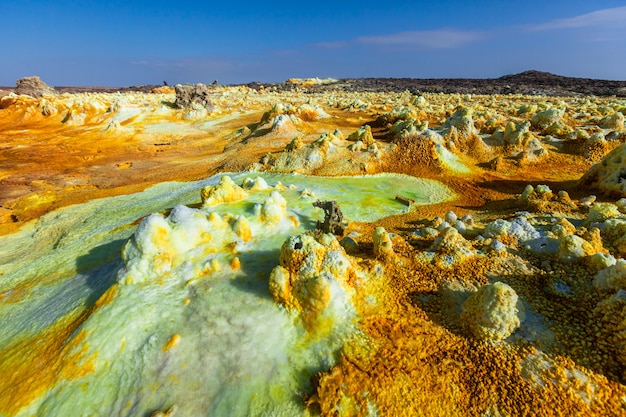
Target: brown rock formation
192, 95
33, 86
333, 218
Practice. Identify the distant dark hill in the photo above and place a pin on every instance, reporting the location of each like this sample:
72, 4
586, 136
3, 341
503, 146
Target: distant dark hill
535, 79
527, 82
534, 76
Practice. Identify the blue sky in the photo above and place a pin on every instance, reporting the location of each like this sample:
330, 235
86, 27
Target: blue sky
119, 43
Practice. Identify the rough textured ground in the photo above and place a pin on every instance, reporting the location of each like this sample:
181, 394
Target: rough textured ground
512, 149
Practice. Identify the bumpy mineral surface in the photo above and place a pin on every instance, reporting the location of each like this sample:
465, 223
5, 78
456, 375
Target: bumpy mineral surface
165, 252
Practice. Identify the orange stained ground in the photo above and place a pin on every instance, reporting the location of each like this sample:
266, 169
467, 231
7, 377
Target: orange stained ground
411, 357
32, 365
46, 163
414, 360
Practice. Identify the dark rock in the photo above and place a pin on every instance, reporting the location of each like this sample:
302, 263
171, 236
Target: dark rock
495, 164
405, 200
33, 86
197, 95
95, 89
350, 245
527, 82
333, 218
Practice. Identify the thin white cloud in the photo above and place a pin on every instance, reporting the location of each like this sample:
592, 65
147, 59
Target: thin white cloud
604, 17
435, 39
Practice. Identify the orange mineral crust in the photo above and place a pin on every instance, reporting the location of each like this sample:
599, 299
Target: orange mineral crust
312, 250
67, 149
31, 366
416, 356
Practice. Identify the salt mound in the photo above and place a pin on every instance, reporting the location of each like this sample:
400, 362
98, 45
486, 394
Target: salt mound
493, 313
313, 278
609, 175
282, 115
283, 123
461, 134
301, 158
546, 118
225, 192
401, 113
383, 247
363, 134
404, 128
462, 121
310, 112
274, 209
452, 245
612, 278
614, 121
255, 184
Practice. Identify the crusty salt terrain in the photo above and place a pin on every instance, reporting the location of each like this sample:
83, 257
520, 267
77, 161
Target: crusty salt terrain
161, 253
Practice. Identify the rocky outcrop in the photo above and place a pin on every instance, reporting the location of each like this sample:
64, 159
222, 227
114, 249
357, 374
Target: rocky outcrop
190, 96
33, 86
333, 218
528, 82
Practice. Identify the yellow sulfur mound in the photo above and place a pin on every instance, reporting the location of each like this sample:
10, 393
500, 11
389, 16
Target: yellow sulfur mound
225, 192
493, 313
313, 278
274, 209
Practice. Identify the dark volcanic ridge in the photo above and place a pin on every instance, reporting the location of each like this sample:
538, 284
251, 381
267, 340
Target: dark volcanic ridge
528, 82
